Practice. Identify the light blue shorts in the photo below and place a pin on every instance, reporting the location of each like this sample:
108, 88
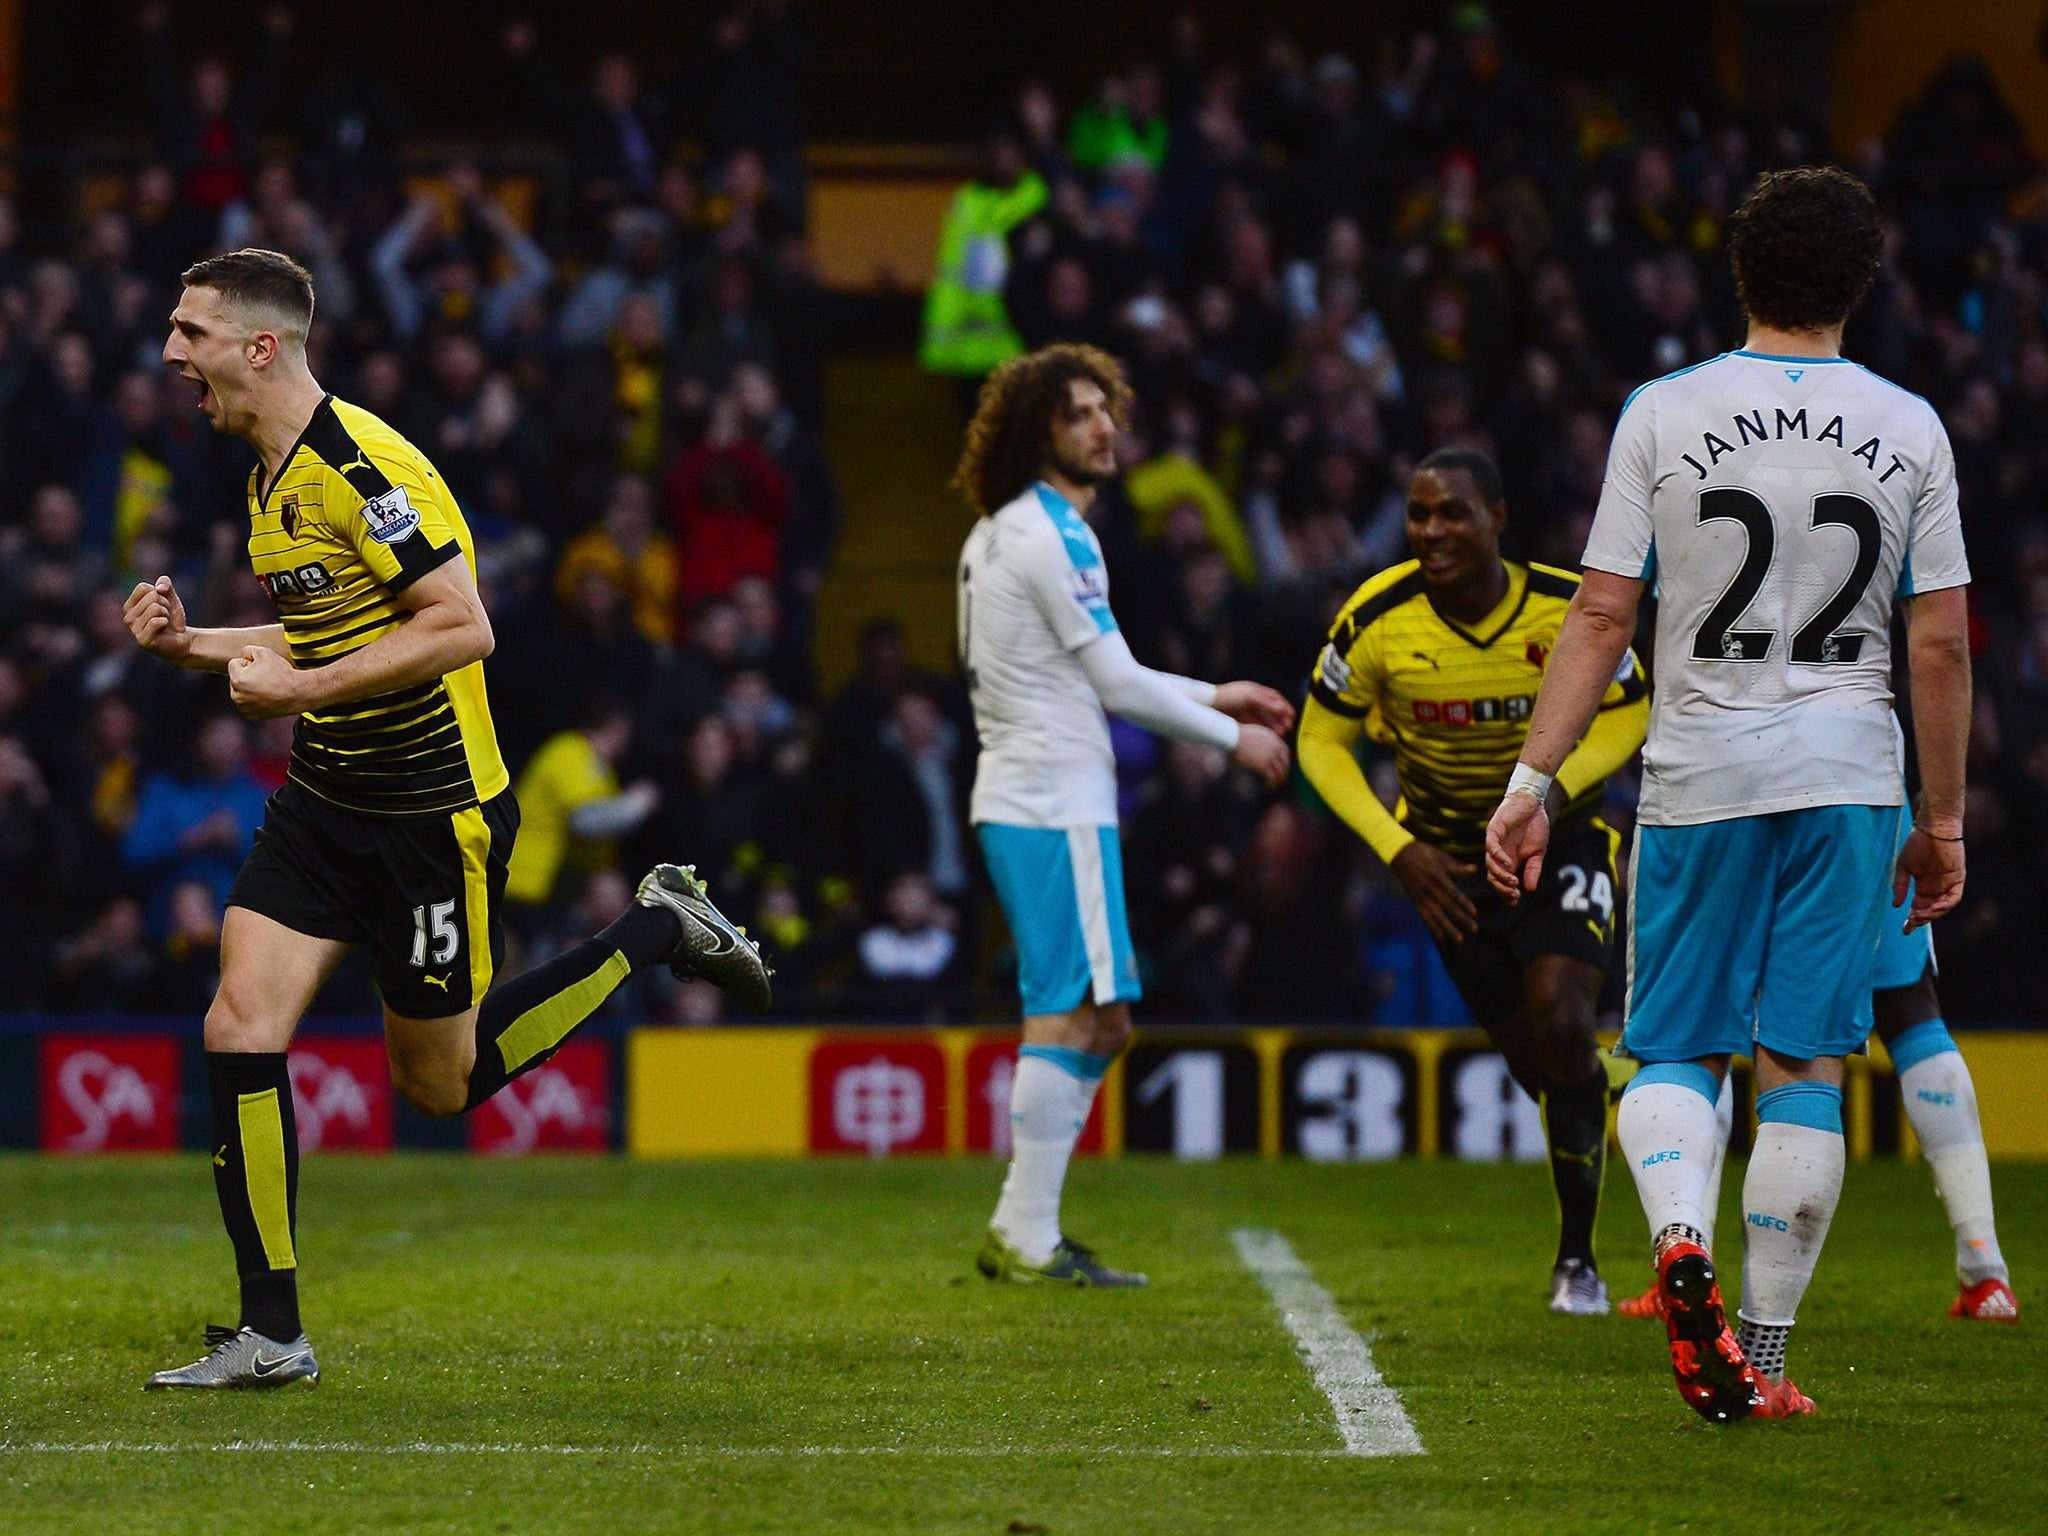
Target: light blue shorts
1902, 958
1760, 930
1062, 892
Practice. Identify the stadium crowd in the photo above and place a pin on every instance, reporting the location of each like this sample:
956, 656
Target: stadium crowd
1316, 272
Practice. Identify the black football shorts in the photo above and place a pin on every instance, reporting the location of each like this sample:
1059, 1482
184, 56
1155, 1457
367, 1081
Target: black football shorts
1571, 912
426, 893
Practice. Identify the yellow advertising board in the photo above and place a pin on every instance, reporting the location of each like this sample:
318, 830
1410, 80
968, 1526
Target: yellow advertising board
1328, 1094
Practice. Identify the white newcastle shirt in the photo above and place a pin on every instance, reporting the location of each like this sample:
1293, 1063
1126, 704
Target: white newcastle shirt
1033, 591
1779, 503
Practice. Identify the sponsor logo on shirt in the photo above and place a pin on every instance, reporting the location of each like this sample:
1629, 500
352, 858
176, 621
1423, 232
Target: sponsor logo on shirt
1474, 711
300, 581
391, 516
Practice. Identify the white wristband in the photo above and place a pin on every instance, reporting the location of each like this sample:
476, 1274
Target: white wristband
1527, 781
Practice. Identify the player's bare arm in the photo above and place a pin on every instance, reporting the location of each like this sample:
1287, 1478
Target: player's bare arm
1595, 636
156, 618
447, 631
1430, 877
1938, 654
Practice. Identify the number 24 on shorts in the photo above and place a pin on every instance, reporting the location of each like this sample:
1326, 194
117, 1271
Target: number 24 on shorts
1584, 895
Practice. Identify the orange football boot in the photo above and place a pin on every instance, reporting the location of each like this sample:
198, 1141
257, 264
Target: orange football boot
1714, 1378
1988, 1301
1649, 1304
1781, 1400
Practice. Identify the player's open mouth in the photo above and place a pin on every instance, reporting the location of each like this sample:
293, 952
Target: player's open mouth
1439, 563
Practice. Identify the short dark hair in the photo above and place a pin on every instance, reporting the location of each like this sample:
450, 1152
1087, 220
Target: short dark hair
1806, 245
267, 279
1485, 475
1009, 442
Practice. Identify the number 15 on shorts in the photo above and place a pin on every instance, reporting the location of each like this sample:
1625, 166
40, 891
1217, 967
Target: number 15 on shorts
435, 924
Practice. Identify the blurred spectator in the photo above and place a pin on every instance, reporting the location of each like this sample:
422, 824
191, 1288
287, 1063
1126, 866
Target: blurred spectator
811, 526
854, 720
425, 271
711, 815
110, 966
111, 780
28, 837
751, 71
637, 267
908, 960
190, 970
206, 127
571, 808
630, 552
615, 133
48, 565
197, 826
911, 807
966, 328
726, 502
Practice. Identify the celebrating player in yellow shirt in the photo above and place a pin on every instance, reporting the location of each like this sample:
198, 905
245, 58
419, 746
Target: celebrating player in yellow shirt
1440, 658
395, 823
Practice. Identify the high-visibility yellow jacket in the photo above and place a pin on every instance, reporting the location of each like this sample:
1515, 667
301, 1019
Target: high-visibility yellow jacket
966, 328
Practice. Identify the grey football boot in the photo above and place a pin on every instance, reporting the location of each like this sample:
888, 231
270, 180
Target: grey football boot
242, 1357
1576, 1290
711, 947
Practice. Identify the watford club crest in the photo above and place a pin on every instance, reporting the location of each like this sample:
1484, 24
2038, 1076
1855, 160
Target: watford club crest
1536, 655
288, 514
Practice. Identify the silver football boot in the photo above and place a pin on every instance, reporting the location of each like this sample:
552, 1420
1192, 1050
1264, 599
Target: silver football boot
710, 947
242, 1357
1576, 1290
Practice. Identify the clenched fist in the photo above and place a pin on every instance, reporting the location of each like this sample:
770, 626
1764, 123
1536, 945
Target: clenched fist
263, 684
156, 618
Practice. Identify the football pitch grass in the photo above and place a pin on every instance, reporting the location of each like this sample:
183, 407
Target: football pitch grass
608, 1346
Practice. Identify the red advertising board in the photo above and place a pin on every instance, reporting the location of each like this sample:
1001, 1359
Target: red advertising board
109, 1093
991, 1069
341, 1095
878, 1095
563, 1105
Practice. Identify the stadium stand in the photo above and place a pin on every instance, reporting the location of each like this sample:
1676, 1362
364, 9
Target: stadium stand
1316, 270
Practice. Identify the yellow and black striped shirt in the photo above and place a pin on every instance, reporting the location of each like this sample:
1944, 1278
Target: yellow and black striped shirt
355, 517
1454, 703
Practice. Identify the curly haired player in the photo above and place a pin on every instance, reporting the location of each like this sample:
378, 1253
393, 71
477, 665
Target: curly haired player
1044, 659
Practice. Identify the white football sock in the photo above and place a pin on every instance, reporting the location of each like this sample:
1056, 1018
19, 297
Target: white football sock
1724, 1127
1788, 1201
1666, 1128
1048, 1106
1941, 1103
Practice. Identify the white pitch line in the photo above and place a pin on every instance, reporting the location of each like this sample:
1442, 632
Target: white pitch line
675, 1452
1369, 1412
